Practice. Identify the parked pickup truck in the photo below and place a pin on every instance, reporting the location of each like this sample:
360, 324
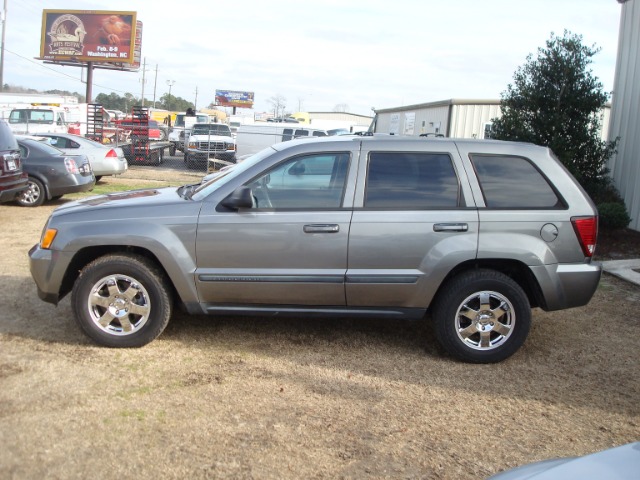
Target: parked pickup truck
210, 142
468, 234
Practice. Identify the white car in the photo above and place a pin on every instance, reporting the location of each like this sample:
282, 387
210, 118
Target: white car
104, 159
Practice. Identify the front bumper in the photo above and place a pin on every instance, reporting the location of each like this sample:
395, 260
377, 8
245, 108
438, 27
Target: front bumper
42, 269
228, 155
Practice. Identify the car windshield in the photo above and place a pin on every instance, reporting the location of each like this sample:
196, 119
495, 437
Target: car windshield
26, 115
211, 129
205, 189
180, 119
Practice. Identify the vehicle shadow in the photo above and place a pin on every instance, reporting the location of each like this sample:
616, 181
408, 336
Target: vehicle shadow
571, 357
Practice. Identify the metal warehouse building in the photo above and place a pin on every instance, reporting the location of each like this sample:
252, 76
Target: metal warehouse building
451, 118
625, 113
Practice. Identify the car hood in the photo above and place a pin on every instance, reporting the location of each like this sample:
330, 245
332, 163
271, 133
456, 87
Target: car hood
128, 199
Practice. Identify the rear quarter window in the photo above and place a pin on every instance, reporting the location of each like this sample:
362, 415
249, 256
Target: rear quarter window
514, 182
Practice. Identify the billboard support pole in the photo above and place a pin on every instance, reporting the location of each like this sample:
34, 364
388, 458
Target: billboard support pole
89, 93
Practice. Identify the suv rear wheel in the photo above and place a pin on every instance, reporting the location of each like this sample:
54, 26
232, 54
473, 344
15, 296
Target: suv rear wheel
122, 301
482, 316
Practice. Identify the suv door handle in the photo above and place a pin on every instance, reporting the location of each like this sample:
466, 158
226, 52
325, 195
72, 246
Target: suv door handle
322, 228
450, 227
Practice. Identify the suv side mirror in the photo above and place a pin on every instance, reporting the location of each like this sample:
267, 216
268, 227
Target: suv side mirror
241, 197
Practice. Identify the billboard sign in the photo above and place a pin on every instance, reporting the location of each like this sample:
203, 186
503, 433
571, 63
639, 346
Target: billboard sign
232, 98
88, 36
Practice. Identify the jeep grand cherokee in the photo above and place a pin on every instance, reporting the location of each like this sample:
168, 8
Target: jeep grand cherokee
471, 234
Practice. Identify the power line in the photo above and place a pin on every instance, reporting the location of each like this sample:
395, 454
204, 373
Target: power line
61, 73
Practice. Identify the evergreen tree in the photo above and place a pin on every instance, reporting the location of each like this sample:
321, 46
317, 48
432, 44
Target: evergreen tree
556, 101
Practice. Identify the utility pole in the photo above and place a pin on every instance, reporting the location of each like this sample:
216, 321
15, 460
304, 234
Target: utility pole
195, 103
144, 69
171, 83
4, 23
155, 84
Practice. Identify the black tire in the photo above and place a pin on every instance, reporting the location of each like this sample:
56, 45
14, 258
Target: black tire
499, 322
98, 177
172, 150
34, 195
141, 302
57, 197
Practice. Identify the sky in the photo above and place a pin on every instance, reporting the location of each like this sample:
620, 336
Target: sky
321, 54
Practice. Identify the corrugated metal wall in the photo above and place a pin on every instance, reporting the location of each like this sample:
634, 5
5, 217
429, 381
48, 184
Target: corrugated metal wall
468, 121
625, 111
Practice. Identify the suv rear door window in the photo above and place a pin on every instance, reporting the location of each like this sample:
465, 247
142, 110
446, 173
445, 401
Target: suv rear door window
410, 181
513, 182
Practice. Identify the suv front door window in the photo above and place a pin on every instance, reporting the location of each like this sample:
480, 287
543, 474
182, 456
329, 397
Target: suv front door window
309, 182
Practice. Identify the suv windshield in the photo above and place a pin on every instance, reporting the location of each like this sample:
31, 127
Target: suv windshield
211, 129
7, 140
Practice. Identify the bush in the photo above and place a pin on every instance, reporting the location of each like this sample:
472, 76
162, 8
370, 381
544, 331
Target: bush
602, 190
613, 215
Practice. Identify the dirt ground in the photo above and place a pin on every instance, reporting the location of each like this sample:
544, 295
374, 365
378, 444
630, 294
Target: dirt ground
262, 398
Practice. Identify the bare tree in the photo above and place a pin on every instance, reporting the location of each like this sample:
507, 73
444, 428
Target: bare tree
279, 103
341, 107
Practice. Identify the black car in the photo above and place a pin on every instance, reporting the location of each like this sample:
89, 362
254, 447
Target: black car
52, 173
12, 179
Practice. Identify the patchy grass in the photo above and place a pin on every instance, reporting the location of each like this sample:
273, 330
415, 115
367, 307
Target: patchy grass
288, 398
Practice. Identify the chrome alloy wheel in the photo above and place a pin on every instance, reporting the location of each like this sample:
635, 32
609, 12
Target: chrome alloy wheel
485, 320
119, 305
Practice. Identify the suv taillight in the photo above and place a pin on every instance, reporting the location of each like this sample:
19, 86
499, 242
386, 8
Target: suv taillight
587, 231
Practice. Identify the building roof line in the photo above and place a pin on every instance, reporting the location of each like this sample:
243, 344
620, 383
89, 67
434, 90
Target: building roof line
441, 103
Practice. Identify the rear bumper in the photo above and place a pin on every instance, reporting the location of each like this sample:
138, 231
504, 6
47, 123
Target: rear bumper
82, 184
11, 188
10, 194
567, 285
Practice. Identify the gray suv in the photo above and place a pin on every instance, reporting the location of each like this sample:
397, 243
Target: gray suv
472, 233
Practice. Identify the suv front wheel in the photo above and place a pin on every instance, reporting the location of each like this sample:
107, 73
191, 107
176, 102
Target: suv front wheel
482, 316
122, 301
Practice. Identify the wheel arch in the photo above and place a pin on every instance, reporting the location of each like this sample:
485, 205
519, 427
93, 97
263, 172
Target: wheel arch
44, 181
514, 269
88, 254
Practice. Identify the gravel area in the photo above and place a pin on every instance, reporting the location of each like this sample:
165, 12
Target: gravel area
273, 398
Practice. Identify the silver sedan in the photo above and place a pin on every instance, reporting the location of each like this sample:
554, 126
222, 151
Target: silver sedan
104, 159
